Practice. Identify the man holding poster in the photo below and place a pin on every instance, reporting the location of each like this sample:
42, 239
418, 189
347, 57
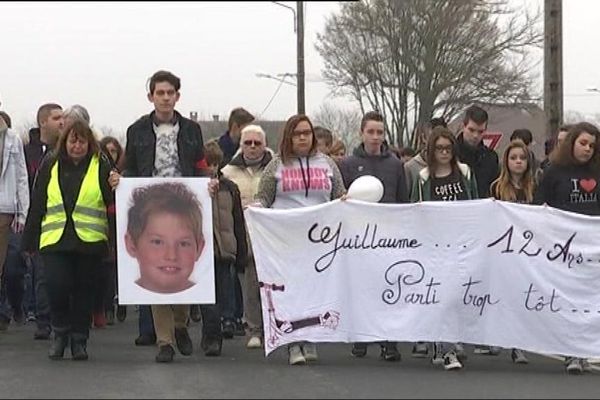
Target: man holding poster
166, 144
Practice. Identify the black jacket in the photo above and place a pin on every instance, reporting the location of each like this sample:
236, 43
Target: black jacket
35, 151
483, 163
70, 177
386, 167
141, 148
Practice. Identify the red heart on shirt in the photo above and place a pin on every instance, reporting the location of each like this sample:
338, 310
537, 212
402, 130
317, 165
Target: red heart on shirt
588, 184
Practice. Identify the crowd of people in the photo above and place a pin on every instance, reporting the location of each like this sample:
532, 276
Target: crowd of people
57, 210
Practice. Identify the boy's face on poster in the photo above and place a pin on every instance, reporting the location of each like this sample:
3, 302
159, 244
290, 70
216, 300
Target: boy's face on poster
166, 251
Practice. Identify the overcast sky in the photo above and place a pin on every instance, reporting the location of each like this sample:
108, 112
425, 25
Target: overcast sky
101, 54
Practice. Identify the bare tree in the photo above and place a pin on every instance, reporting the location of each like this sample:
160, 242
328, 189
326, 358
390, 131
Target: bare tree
413, 59
106, 130
344, 124
574, 117
24, 128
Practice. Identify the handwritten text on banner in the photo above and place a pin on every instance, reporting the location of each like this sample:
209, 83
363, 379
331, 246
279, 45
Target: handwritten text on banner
483, 272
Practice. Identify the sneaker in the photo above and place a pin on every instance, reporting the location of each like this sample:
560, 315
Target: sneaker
359, 350
121, 313
79, 350
19, 317
110, 317
420, 350
255, 342
459, 349
145, 340
585, 364
389, 352
295, 356
183, 341
42, 333
228, 329
451, 361
239, 329
195, 314
165, 354
211, 345
31, 316
310, 352
574, 366
438, 356
518, 356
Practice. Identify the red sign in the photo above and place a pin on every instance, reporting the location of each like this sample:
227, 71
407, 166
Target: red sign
491, 139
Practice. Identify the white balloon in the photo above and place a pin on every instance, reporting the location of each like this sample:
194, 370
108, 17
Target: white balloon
366, 188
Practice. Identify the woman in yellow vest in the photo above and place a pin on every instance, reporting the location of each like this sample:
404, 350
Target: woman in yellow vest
69, 223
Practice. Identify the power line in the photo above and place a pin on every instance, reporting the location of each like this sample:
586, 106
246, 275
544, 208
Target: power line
272, 97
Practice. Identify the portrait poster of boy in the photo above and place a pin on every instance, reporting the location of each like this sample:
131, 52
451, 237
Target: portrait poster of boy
165, 249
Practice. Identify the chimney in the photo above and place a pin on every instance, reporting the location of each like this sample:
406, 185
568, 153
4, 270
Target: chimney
215, 117
194, 116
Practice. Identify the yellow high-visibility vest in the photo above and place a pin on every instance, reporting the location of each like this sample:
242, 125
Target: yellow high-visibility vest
89, 214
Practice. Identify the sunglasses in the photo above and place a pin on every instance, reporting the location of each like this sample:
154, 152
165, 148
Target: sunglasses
252, 142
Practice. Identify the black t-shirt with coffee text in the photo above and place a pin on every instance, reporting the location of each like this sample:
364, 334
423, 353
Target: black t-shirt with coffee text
448, 188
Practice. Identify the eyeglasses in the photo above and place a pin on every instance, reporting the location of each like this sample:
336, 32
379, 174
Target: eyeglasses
443, 149
256, 143
306, 132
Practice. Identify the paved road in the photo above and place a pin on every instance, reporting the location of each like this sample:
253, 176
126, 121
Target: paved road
118, 369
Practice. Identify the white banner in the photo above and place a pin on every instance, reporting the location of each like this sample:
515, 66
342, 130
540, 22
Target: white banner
165, 253
482, 272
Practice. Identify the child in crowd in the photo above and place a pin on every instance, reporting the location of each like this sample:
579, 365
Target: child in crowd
515, 184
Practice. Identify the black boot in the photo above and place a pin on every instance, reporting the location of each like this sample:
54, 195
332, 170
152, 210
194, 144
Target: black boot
57, 349
79, 348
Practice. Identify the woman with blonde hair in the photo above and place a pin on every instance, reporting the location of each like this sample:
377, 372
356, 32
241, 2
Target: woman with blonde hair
516, 182
338, 151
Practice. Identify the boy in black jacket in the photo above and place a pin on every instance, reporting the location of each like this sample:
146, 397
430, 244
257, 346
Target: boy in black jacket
230, 247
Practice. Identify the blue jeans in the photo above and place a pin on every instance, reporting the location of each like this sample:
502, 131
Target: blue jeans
42, 303
238, 297
13, 279
29, 296
211, 321
225, 277
145, 321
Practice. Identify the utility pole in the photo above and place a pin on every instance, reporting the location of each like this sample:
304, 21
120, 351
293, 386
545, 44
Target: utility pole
553, 65
300, 55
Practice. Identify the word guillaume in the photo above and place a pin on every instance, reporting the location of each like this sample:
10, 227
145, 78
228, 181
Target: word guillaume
367, 240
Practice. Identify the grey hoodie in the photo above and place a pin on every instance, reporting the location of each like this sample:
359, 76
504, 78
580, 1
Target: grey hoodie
386, 167
412, 169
